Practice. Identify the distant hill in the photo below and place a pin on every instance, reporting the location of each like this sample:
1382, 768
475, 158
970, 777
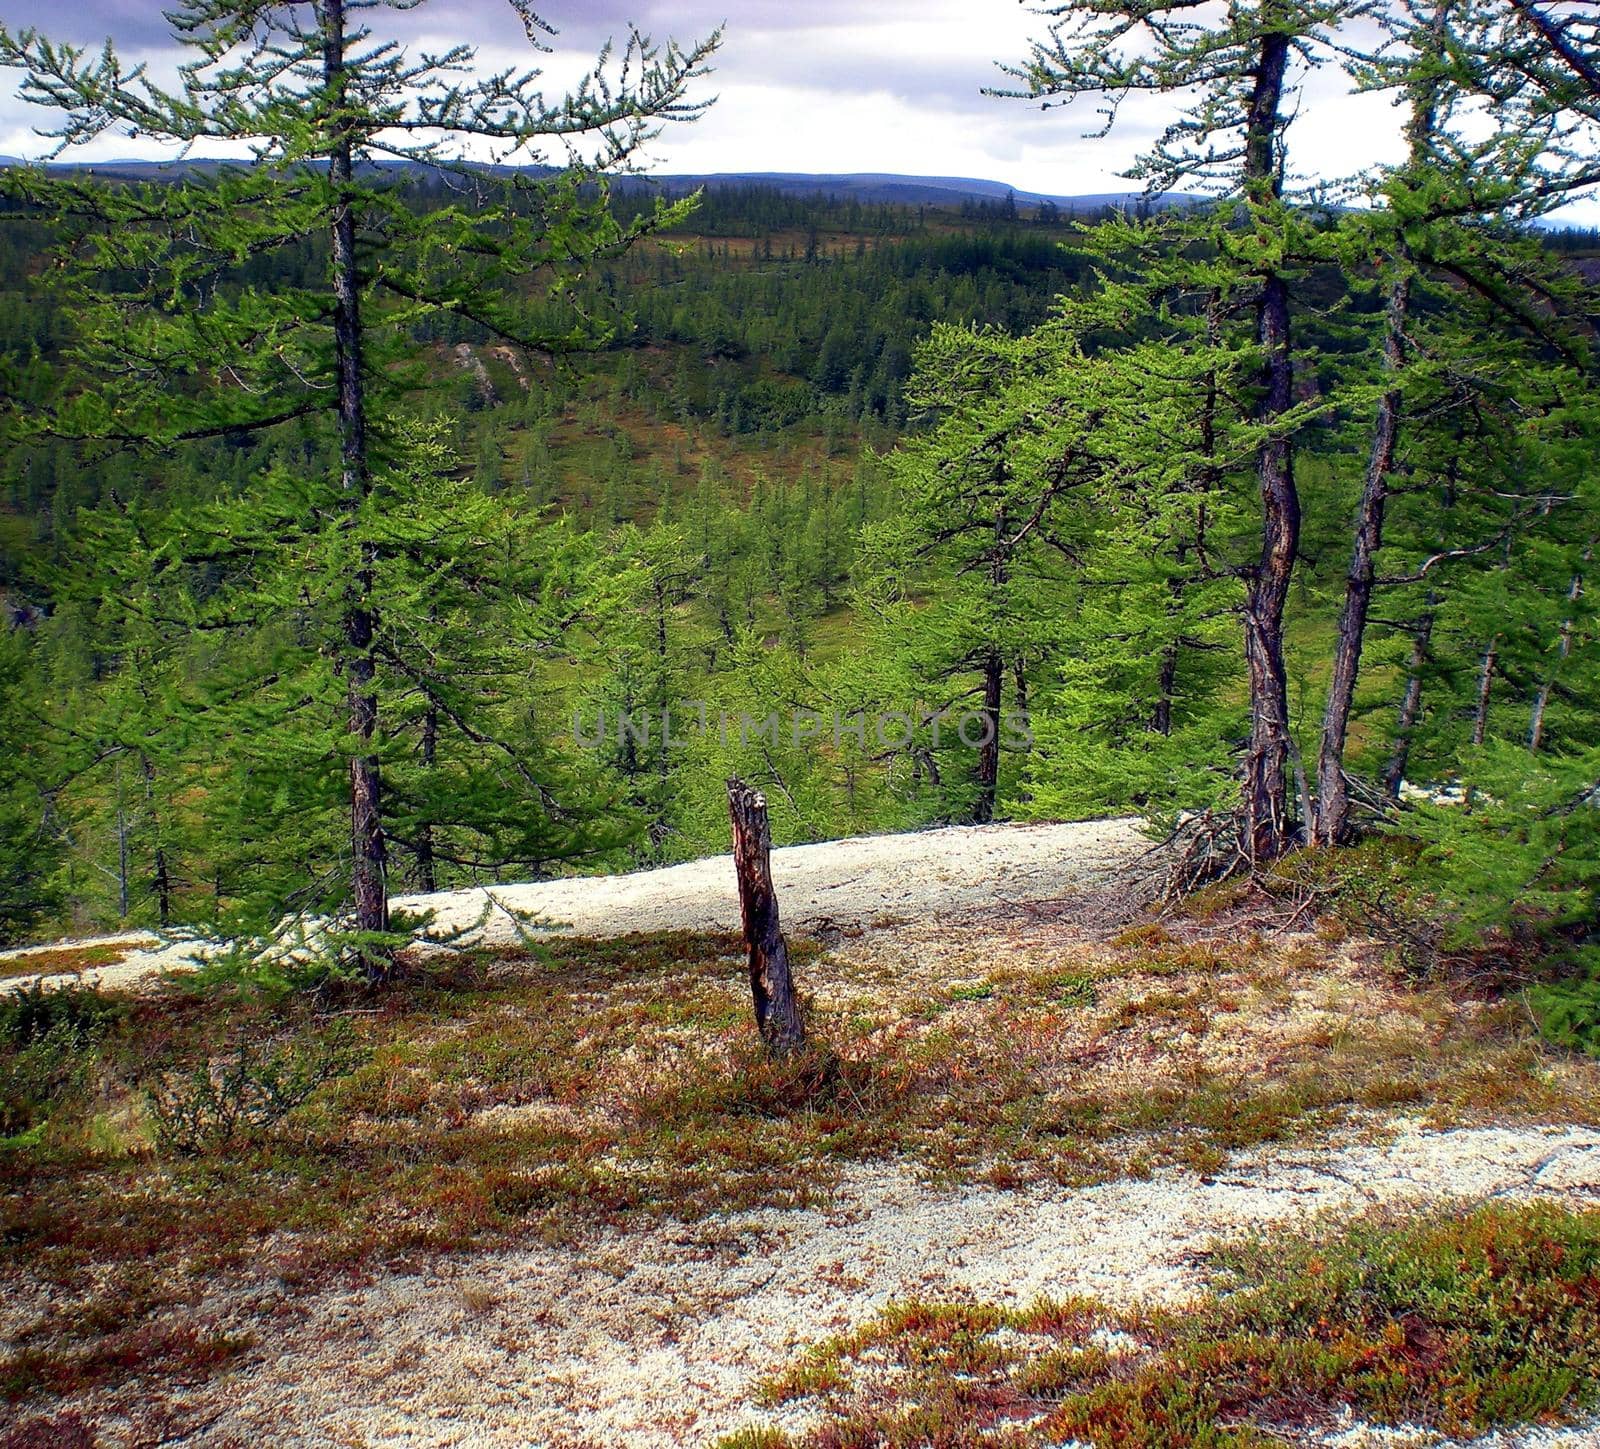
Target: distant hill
879, 187
873, 187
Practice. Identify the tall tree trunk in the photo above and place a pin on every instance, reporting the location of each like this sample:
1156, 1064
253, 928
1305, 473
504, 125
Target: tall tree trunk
369, 854
122, 851
1394, 772
777, 1009
427, 876
989, 751
1266, 769
1333, 798
1166, 679
1480, 719
163, 873
1541, 700
988, 772
1266, 775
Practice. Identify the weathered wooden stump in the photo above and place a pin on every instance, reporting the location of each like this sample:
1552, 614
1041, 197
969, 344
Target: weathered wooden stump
777, 1011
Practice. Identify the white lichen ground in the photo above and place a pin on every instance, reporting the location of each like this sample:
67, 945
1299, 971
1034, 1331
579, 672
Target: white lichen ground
844, 882
655, 1339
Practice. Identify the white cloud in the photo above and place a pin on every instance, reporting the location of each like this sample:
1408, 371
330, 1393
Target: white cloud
830, 86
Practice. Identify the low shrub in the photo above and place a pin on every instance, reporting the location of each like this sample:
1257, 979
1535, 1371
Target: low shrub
1568, 1010
1456, 1323
39, 1010
1072, 988
47, 1048
34, 1080
220, 1104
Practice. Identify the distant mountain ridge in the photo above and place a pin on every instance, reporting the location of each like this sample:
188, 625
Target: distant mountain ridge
872, 187
881, 186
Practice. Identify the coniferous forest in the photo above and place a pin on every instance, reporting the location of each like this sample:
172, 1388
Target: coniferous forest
427, 499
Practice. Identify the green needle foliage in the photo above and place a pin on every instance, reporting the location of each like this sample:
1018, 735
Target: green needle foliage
473, 611
30, 849
1229, 75
176, 340
1259, 506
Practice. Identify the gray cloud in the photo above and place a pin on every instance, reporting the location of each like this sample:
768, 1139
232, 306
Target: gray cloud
803, 85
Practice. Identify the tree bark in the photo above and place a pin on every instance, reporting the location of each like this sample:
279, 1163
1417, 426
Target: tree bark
1541, 700
368, 848
427, 877
1166, 680
1480, 720
989, 750
1266, 770
1266, 774
778, 1017
1333, 798
1394, 772
163, 874
122, 851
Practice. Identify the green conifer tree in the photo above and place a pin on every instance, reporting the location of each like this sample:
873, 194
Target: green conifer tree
177, 343
30, 843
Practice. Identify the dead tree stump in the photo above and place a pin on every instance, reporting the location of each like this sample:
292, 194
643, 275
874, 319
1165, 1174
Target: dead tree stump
777, 1011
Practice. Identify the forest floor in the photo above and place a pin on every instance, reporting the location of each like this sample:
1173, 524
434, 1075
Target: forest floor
562, 1200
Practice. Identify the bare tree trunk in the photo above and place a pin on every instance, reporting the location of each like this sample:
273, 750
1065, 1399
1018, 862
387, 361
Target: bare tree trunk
989, 750
1410, 706
778, 1017
1480, 721
1333, 799
122, 851
1541, 701
163, 883
1266, 769
427, 876
1266, 774
163, 873
369, 854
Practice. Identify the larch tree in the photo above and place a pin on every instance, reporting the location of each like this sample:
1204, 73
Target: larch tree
176, 343
971, 572
30, 844
646, 638
122, 736
1483, 152
1142, 714
1425, 83
1229, 70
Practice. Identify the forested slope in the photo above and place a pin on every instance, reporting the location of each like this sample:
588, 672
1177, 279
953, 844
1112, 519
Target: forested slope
709, 495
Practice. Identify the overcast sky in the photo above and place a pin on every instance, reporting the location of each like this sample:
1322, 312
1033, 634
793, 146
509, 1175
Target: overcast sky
806, 85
